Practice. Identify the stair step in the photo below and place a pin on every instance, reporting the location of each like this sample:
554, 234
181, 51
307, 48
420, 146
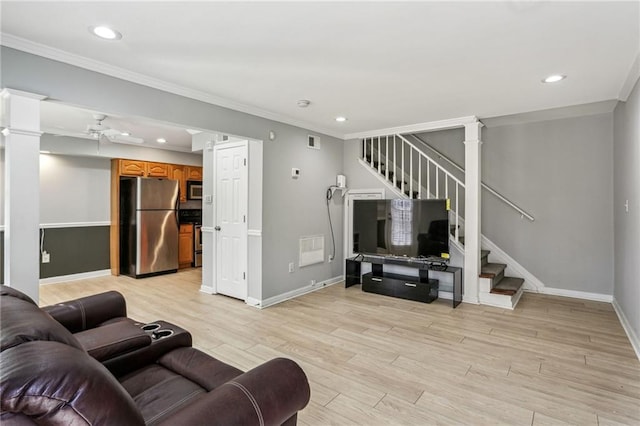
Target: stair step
484, 257
508, 286
491, 270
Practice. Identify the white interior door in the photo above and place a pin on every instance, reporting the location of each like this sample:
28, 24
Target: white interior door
231, 187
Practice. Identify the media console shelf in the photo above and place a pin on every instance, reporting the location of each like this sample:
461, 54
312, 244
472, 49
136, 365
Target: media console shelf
413, 287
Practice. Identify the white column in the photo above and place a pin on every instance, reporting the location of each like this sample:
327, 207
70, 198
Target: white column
21, 138
472, 211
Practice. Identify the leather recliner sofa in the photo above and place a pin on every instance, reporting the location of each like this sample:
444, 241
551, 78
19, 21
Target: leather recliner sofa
95, 367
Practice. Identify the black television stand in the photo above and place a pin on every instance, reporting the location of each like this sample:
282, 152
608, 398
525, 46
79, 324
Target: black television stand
413, 287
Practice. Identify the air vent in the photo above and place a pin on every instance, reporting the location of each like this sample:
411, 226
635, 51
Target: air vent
313, 142
311, 250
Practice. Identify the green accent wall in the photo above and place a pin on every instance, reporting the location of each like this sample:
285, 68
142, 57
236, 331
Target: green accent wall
75, 250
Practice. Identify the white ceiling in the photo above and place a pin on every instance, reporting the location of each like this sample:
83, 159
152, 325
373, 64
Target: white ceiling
381, 64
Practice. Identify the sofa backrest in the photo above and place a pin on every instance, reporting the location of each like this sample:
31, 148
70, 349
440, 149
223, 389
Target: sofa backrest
46, 377
22, 321
51, 383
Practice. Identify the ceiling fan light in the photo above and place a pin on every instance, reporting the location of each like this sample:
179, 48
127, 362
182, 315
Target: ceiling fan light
105, 32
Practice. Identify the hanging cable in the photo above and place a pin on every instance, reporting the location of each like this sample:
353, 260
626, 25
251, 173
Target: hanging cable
329, 196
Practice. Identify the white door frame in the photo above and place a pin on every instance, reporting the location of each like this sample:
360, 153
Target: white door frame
355, 194
216, 149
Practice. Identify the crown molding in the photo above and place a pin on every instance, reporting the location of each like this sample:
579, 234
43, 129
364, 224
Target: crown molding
632, 76
59, 55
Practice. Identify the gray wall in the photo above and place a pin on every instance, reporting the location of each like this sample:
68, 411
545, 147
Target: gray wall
626, 186
290, 208
561, 172
74, 189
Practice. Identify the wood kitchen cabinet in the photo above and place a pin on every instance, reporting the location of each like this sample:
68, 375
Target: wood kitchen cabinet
185, 246
158, 169
130, 168
178, 173
194, 173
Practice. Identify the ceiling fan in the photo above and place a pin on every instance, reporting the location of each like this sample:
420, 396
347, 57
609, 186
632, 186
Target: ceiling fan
100, 131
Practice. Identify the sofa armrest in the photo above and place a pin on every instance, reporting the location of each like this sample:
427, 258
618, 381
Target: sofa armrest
88, 312
270, 394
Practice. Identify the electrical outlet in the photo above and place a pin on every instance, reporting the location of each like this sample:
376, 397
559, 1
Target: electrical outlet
46, 257
313, 283
291, 267
330, 258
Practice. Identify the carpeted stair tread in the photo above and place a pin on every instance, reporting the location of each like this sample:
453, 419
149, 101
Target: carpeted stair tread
508, 286
490, 270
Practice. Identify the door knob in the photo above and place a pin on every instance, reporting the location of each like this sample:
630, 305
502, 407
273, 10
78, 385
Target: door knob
217, 228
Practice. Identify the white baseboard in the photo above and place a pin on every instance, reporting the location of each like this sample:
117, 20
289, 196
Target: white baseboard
293, 293
74, 277
597, 297
207, 289
633, 337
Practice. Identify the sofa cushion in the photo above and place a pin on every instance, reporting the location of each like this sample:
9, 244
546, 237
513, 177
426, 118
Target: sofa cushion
199, 367
22, 321
111, 340
53, 383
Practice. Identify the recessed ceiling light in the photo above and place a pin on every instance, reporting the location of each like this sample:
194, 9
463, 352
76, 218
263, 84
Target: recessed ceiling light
303, 103
105, 32
341, 119
125, 134
554, 78
161, 140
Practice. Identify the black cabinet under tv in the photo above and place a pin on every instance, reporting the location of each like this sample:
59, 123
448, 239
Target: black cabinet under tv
402, 286
413, 287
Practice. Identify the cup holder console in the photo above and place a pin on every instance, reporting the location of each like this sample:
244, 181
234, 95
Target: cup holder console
160, 334
150, 327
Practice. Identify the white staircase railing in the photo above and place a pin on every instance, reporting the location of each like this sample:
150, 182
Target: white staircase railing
393, 156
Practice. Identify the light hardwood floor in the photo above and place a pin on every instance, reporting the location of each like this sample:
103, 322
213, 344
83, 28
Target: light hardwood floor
376, 360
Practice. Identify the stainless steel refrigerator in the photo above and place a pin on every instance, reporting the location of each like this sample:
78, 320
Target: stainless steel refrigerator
148, 226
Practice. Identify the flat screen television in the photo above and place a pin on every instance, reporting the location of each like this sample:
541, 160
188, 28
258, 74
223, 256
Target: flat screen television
402, 227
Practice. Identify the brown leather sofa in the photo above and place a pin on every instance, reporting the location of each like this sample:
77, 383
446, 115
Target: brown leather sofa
93, 365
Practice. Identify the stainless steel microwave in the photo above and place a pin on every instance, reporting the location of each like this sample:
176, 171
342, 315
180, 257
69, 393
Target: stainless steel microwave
194, 190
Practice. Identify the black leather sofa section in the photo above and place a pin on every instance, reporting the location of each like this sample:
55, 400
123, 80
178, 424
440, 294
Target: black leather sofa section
47, 377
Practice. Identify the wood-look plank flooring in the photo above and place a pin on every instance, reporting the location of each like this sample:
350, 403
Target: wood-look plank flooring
375, 360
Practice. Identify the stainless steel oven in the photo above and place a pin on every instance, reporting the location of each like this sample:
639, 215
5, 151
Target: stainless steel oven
197, 245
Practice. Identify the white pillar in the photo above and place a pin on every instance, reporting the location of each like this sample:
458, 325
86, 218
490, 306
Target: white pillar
21, 138
472, 211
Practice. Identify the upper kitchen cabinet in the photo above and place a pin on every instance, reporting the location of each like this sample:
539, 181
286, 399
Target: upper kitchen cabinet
179, 173
194, 173
143, 168
131, 167
158, 169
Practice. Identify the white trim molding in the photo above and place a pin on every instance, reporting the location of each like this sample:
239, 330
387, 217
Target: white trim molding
576, 294
633, 337
430, 126
207, 289
75, 277
254, 232
293, 293
73, 225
